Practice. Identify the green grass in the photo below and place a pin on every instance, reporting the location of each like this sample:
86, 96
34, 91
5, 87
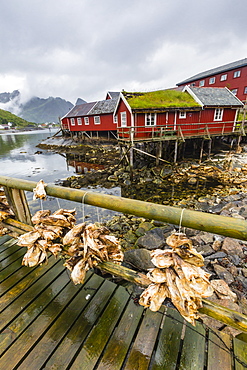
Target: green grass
160, 99
6, 117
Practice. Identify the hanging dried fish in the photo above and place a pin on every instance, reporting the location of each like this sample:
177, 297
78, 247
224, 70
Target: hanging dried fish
34, 256
177, 276
39, 191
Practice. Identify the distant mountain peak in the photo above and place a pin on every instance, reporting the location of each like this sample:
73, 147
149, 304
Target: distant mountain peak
80, 101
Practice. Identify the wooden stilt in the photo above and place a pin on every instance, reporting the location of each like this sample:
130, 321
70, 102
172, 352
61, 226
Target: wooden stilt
158, 152
131, 162
209, 147
238, 148
201, 151
176, 151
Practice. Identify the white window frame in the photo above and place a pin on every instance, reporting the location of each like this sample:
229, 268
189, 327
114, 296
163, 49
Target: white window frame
182, 114
236, 74
115, 119
79, 121
123, 116
234, 91
72, 121
86, 121
97, 120
218, 114
245, 90
223, 77
211, 81
201, 83
150, 119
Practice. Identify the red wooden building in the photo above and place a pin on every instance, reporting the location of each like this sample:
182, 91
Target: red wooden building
231, 75
92, 117
172, 114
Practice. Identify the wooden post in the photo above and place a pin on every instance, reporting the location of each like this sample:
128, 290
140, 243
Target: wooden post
176, 151
158, 152
131, 162
201, 152
209, 147
18, 203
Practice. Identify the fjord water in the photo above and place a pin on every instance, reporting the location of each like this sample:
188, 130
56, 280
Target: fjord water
20, 158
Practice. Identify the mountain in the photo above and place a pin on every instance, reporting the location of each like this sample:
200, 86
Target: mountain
36, 109
45, 110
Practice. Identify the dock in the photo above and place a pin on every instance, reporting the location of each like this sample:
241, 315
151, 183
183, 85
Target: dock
49, 323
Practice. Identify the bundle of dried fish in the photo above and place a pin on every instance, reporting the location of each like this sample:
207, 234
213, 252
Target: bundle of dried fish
39, 191
83, 246
177, 275
5, 212
88, 245
46, 236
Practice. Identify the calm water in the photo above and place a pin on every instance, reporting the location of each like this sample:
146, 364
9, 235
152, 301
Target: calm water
19, 158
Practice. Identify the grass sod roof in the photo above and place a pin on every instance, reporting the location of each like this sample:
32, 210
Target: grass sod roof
160, 99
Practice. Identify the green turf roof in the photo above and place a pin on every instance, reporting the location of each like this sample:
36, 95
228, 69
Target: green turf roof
160, 99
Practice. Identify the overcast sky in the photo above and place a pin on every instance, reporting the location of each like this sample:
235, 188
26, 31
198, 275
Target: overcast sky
84, 48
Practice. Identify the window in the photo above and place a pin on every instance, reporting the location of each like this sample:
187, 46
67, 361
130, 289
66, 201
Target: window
236, 74
234, 91
245, 90
72, 121
97, 120
218, 114
123, 119
202, 83
79, 121
182, 114
150, 119
86, 120
211, 80
223, 77
115, 120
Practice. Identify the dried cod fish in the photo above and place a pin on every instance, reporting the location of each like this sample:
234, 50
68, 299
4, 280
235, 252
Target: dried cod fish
178, 276
34, 256
39, 191
28, 239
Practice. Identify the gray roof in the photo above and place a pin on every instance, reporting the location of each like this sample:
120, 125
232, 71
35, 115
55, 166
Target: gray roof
214, 71
80, 110
114, 94
216, 96
104, 107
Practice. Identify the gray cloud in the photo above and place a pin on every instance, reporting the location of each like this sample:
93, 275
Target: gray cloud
73, 48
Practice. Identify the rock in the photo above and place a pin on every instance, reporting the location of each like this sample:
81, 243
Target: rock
207, 237
205, 250
192, 180
139, 258
222, 290
112, 178
224, 274
217, 255
143, 228
232, 247
153, 239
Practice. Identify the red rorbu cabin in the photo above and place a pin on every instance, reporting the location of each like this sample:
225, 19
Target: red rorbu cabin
193, 112
92, 117
232, 75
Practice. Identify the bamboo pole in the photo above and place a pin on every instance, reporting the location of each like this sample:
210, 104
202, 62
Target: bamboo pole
222, 225
212, 309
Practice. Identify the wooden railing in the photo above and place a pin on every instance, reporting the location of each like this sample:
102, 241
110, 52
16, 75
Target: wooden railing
231, 227
182, 130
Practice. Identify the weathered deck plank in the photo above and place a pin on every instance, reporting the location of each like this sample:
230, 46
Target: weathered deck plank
47, 322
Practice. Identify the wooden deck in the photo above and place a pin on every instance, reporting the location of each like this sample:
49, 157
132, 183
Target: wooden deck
48, 323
